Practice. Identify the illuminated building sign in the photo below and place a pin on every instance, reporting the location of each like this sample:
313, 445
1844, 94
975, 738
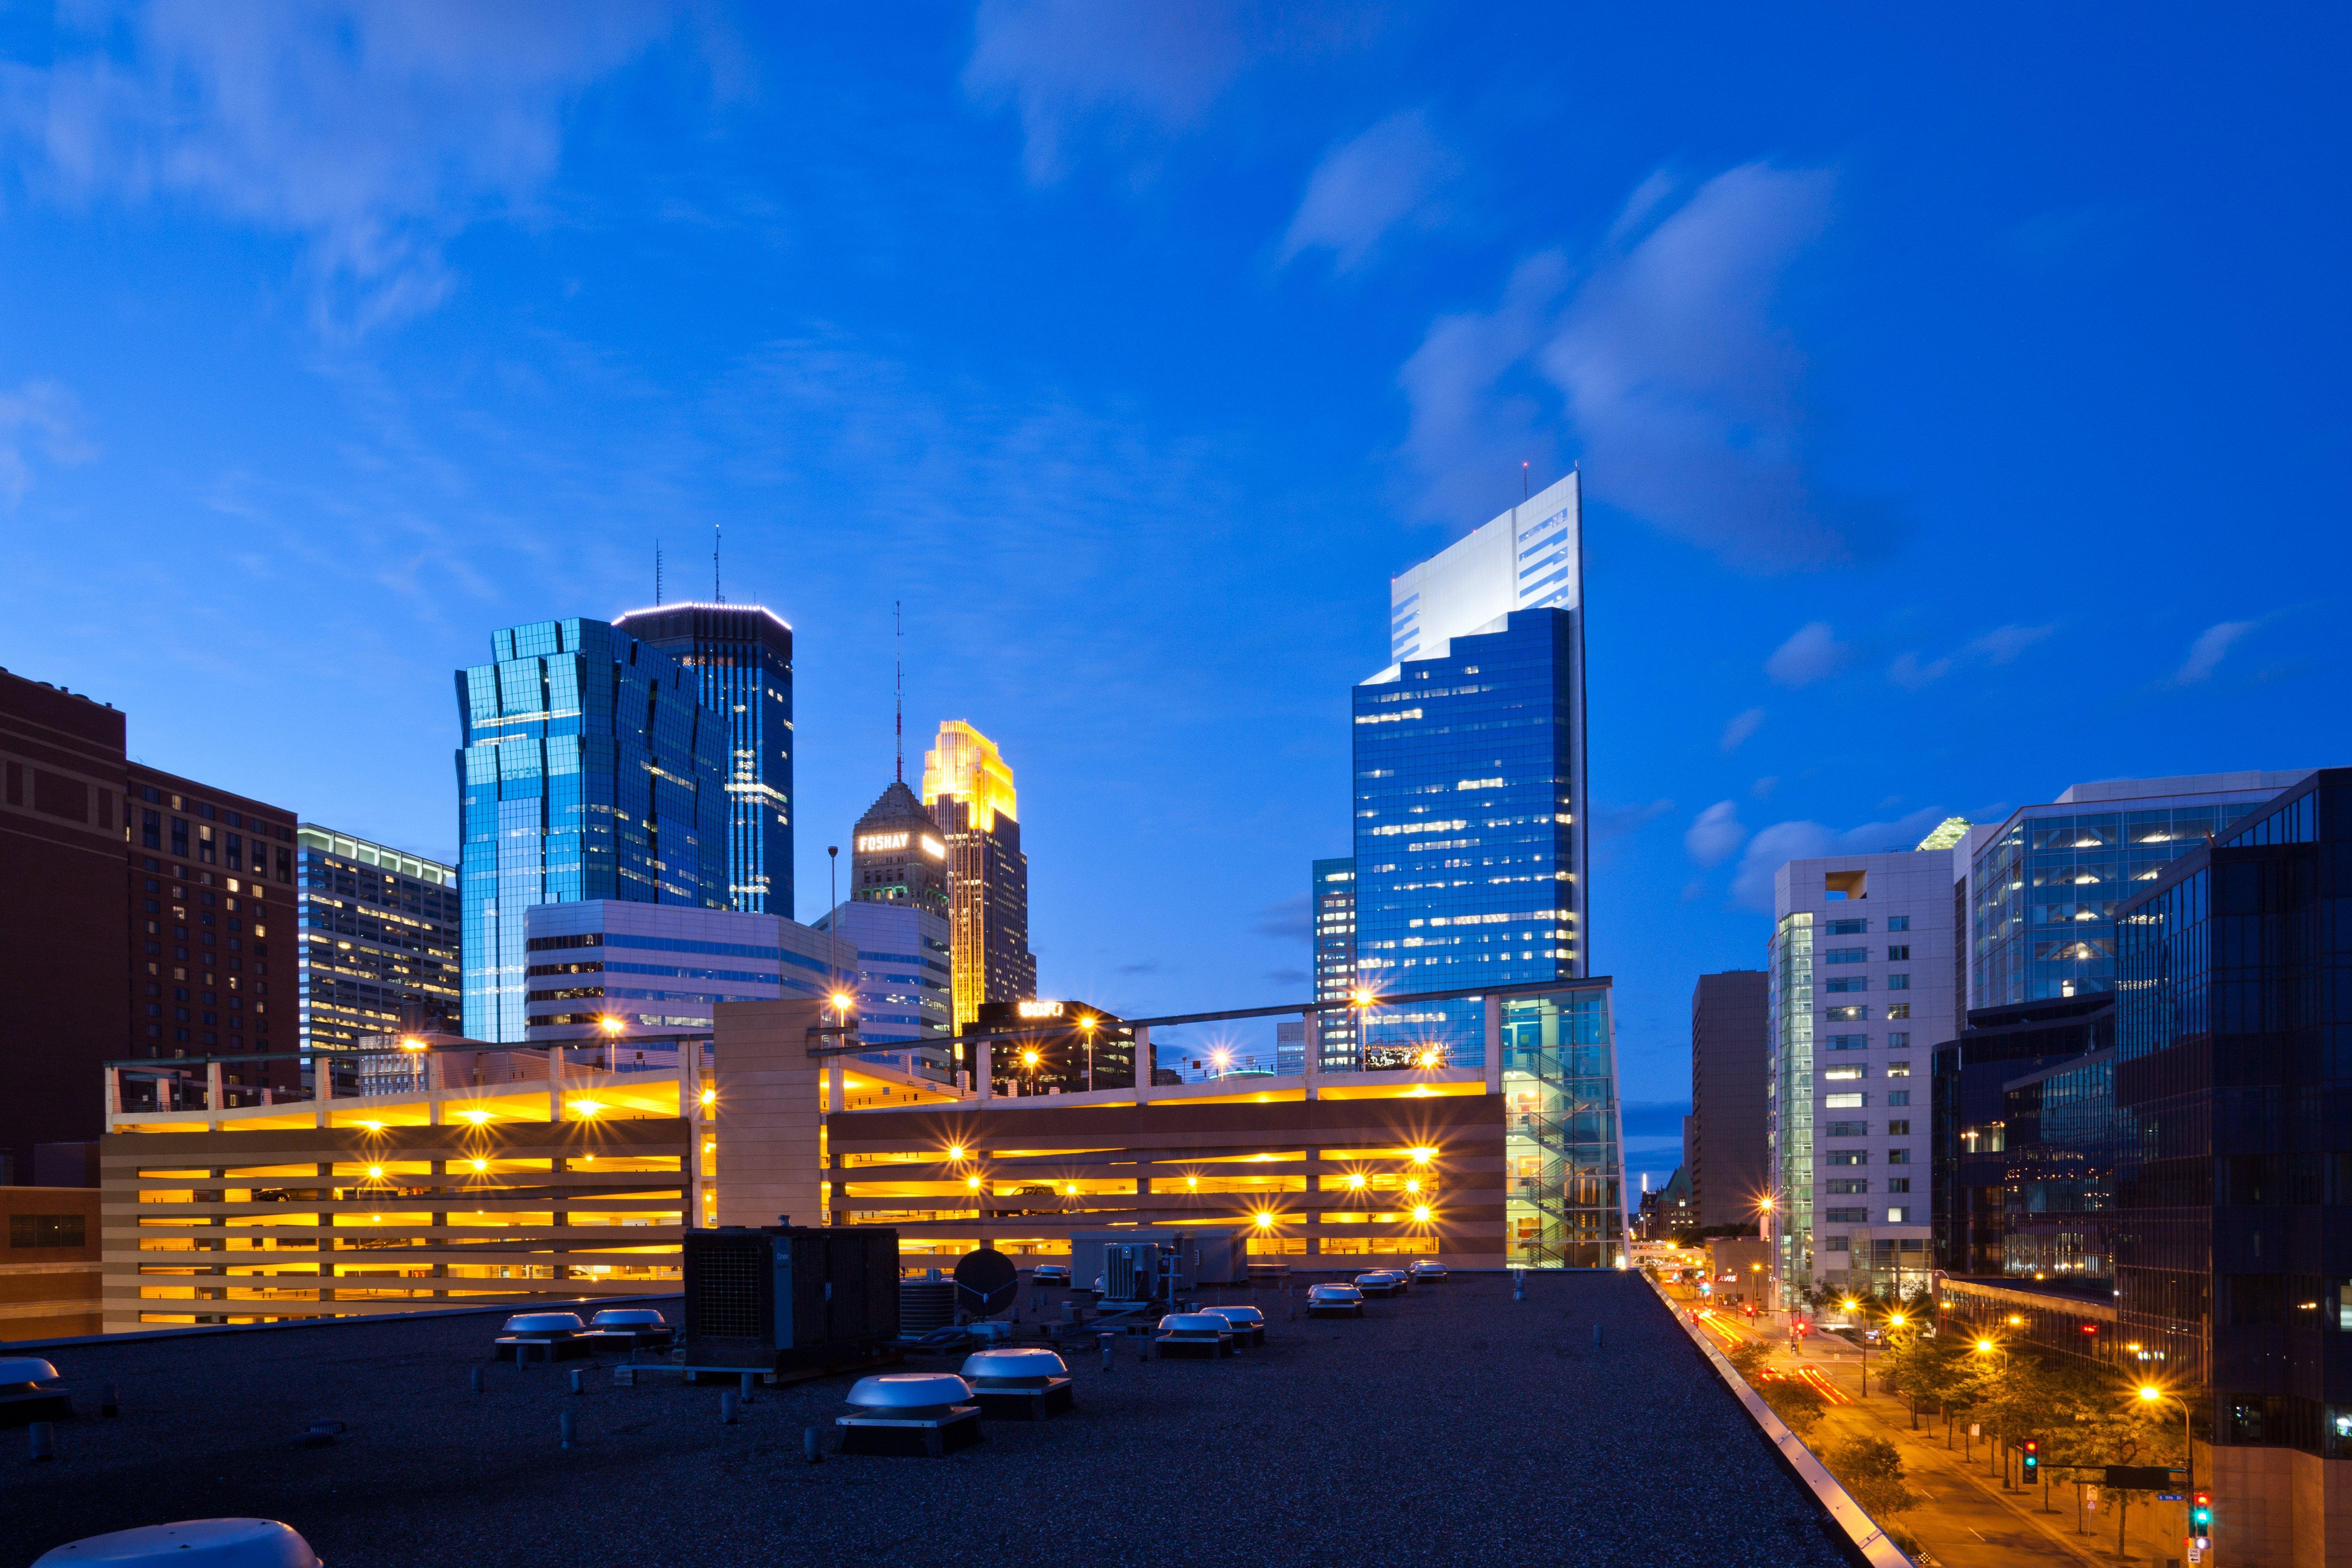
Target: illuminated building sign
1040, 1009
931, 847
873, 841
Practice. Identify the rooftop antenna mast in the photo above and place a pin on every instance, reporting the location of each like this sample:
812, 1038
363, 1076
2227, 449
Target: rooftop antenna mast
899, 717
717, 597
657, 585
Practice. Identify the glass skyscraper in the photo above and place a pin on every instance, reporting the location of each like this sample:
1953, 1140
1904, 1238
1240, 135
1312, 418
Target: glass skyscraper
589, 768
379, 932
1469, 864
1331, 901
741, 655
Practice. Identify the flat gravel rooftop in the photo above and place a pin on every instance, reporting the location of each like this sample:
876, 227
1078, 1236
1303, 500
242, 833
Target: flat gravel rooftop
1452, 1426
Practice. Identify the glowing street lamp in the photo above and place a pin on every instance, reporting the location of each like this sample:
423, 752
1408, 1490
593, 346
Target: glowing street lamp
2150, 1394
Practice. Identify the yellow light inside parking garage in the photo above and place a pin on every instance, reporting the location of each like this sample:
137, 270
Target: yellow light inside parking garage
481, 1165
1412, 1185
709, 1097
972, 1181
586, 1107
1424, 1156
1264, 1220
1421, 1214
476, 1117
375, 1173
1356, 1180
955, 1150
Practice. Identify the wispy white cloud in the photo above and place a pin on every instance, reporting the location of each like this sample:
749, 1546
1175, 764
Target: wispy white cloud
1774, 847
1999, 646
1743, 724
2212, 647
1660, 356
1128, 75
1390, 175
1716, 834
373, 130
39, 417
1812, 653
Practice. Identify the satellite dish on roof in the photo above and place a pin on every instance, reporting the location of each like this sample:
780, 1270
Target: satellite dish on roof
986, 1282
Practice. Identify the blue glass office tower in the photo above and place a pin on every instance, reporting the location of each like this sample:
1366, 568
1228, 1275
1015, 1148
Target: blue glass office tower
741, 657
1469, 832
588, 769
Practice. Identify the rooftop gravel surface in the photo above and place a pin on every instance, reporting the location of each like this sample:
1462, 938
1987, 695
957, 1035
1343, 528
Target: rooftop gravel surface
1453, 1424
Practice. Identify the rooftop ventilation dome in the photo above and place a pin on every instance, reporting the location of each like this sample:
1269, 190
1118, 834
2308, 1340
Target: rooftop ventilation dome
17, 1370
906, 1392
544, 1323
1239, 1316
1194, 1323
1012, 1368
622, 1318
193, 1543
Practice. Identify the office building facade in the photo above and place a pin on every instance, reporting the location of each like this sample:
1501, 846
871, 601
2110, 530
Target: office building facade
659, 969
1989, 1187
2044, 886
967, 789
1724, 1156
740, 657
212, 920
904, 981
1331, 904
1859, 983
63, 900
379, 949
589, 769
2232, 1011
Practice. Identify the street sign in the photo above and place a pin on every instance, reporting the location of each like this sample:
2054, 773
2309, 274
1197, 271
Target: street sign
2172, 1497
2139, 1477
2090, 1500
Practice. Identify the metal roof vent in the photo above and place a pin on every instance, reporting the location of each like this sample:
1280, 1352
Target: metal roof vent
194, 1543
1024, 1384
909, 1413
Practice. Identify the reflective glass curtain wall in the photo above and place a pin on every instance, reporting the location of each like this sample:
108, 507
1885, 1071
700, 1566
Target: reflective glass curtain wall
588, 769
2046, 890
2233, 1056
1469, 830
1565, 1201
1331, 899
1789, 1103
741, 657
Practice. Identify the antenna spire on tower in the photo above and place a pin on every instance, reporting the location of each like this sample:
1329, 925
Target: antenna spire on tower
899, 717
717, 597
657, 585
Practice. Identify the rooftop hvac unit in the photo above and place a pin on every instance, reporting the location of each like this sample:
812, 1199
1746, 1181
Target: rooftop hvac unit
789, 1298
926, 1304
1139, 1271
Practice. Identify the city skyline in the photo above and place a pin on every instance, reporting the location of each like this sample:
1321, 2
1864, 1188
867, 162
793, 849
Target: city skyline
413, 388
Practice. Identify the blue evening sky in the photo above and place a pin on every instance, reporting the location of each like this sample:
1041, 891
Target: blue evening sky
1960, 401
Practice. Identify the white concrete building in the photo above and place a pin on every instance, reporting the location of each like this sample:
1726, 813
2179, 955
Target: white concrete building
1864, 965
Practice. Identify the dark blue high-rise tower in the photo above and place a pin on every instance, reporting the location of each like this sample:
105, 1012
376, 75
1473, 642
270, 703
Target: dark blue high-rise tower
589, 768
743, 657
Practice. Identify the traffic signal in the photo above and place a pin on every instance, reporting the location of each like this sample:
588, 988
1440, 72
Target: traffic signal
2200, 1513
2032, 1446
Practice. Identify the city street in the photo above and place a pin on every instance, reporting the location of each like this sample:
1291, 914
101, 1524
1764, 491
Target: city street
1968, 1521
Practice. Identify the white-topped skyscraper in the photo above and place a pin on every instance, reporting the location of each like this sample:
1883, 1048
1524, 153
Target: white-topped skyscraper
1471, 866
